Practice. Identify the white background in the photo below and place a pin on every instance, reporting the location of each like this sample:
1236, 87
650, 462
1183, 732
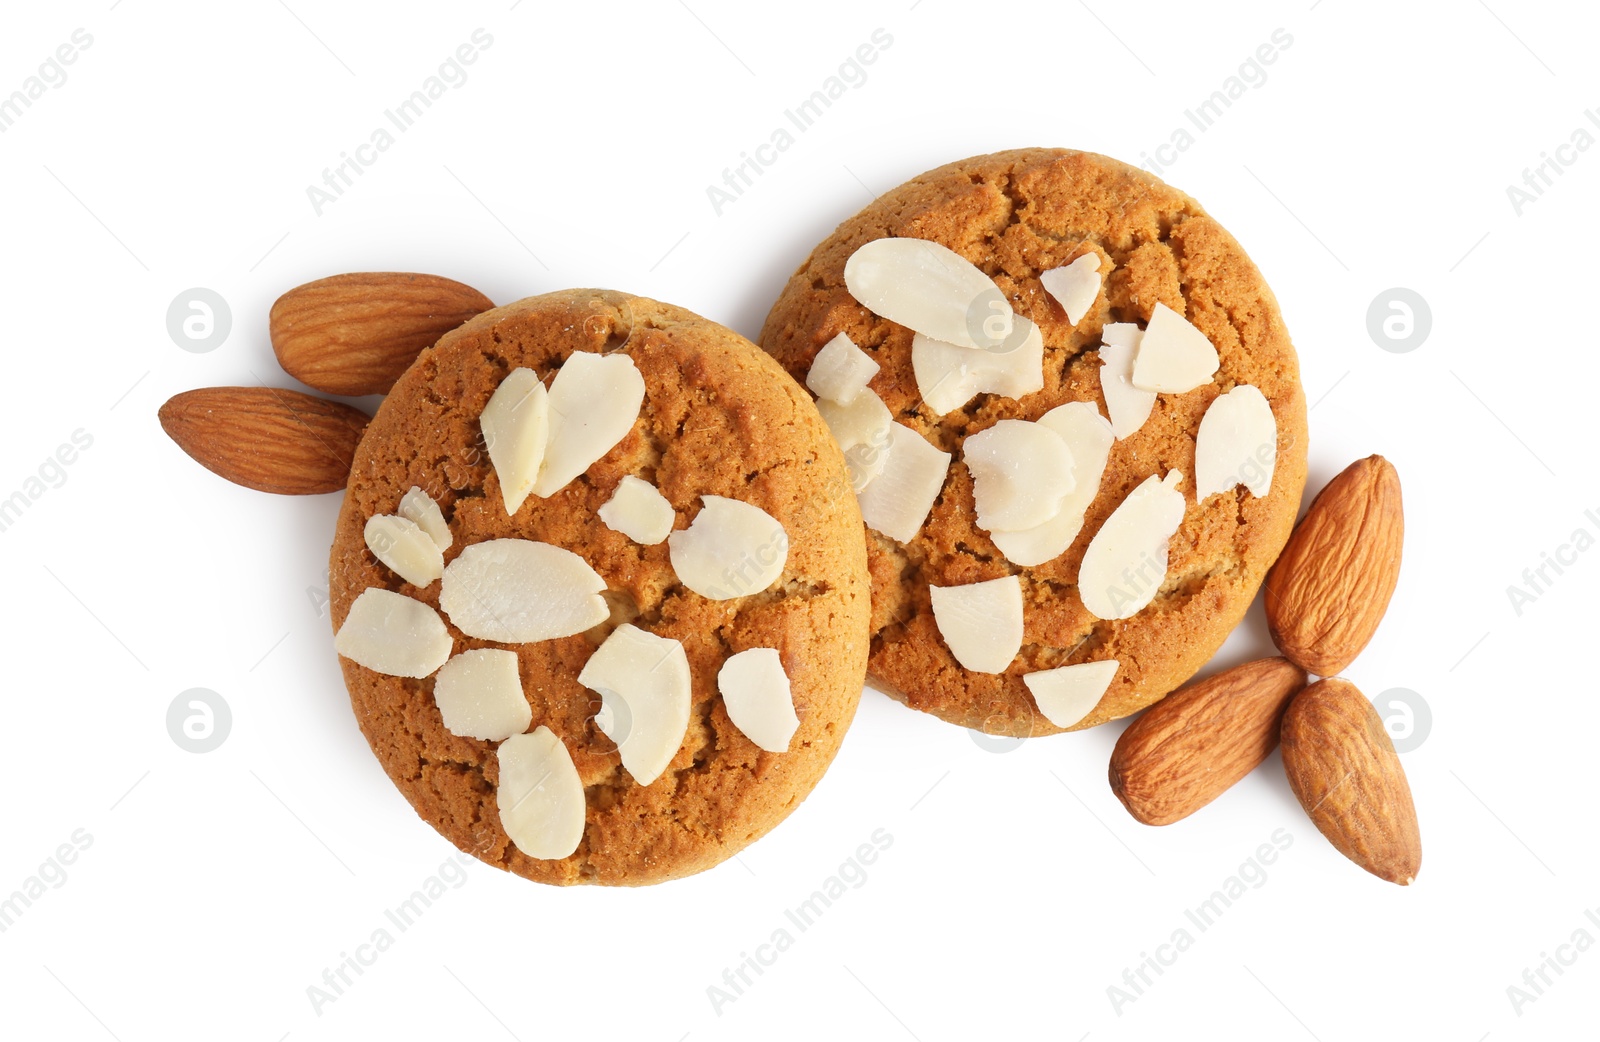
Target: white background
219, 886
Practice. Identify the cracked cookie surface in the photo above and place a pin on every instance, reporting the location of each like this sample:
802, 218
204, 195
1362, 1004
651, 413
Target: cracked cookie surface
1015, 215
719, 418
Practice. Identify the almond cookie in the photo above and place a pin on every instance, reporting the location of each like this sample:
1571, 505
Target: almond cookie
1074, 418
599, 590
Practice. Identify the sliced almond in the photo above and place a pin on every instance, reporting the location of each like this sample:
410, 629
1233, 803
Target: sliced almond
516, 428
1126, 404
643, 683
755, 691
639, 511
1088, 437
393, 634
949, 375
539, 795
840, 370
594, 401
897, 502
1126, 561
479, 695
1021, 472
517, 590
1173, 356
419, 508
1067, 694
981, 623
1075, 286
730, 549
929, 289
405, 548
1237, 444
862, 431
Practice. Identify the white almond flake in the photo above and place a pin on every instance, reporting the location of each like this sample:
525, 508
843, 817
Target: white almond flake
730, 549
1075, 286
898, 500
643, 683
479, 695
929, 289
539, 795
1067, 694
419, 508
594, 401
407, 550
1088, 437
755, 691
639, 511
981, 623
840, 370
391, 633
862, 430
1126, 561
516, 429
1173, 356
517, 590
1021, 472
949, 375
1237, 444
1127, 406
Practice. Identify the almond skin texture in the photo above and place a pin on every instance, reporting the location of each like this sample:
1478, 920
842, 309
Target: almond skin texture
1343, 769
267, 438
1190, 747
1332, 583
355, 334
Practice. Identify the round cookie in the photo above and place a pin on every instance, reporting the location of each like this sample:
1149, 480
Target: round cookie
1015, 215
719, 418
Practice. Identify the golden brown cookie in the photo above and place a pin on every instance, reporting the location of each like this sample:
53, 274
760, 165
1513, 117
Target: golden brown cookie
1015, 215
719, 418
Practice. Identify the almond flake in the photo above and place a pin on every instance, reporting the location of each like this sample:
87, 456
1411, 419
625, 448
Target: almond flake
929, 289
1173, 356
840, 370
405, 548
862, 430
897, 501
479, 695
1075, 287
1126, 561
730, 549
516, 429
419, 508
518, 590
643, 683
755, 691
949, 375
539, 795
1021, 472
1237, 444
1067, 694
1126, 404
639, 511
1088, 437
594, 401
981, 622
393, 634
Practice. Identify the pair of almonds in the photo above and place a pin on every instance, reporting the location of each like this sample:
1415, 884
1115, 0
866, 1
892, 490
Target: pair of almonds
1324, 598
348, 334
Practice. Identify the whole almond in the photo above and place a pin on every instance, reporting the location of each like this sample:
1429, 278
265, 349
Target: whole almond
267, 438
355, 334
1343, 769
1191, 746
1332, 583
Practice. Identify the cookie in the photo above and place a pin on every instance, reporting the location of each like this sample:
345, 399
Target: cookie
1015, 216
718, 418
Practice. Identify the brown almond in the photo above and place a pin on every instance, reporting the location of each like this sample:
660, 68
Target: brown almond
1344, 771
1332, 583
267, 438
1191, 746
355, 334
